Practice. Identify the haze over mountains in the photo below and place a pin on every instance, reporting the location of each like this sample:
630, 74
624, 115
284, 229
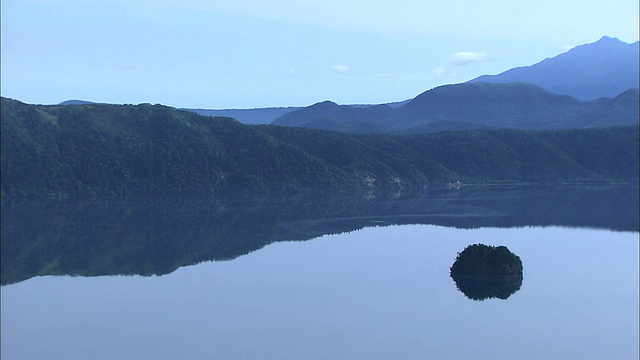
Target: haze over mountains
472, 106
605, 68
548, 95
248, 116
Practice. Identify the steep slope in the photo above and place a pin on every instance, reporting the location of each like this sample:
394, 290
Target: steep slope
605, 68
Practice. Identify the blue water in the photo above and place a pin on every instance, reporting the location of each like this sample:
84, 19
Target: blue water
375, 293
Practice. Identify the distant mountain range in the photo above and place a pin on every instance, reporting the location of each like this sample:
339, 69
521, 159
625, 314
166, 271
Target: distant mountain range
248, 116
259, 116
605, 68
472, 106
593, 85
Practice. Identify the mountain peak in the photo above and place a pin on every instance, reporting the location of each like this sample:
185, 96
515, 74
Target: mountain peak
609, 39
587, 72
603, 45
325, 103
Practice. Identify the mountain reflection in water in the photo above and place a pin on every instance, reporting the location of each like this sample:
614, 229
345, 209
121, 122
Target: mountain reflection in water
157, 235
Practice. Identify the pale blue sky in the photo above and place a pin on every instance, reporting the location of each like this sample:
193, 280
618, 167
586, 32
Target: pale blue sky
251, 53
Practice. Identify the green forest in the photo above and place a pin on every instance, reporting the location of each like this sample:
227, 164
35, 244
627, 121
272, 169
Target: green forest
99, 149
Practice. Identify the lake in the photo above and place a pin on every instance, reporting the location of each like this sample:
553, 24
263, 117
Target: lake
320, 276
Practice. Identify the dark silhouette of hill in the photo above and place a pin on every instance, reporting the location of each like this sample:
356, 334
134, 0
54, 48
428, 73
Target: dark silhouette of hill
472, 106
605, 68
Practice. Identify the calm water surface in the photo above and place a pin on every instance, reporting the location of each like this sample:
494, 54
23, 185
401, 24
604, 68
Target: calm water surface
376, 292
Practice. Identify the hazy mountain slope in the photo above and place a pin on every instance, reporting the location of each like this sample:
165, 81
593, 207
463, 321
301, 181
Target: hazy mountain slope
605, 68
76, 102
245, 116
328, 115
541, 96
612, 112
248, 116
268, 115
515, 105
471, 106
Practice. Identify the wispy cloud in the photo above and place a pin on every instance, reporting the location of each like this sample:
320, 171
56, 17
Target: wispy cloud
448, 71
443, 74
466, 57
340, 69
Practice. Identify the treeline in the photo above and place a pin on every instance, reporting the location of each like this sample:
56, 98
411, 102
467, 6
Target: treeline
127, 149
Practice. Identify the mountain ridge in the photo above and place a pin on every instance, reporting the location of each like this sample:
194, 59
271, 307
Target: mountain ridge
590, 85
472, 106
617, 63
586, 72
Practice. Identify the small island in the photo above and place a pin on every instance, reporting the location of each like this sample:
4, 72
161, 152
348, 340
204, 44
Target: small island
483, 272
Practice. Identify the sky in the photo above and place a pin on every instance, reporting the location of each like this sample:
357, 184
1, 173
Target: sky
277, 53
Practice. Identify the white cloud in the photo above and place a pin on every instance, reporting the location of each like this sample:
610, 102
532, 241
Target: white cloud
440, 72
340, 69
447, 72
466, 57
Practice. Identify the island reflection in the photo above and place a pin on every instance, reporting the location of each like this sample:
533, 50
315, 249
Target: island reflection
157, 235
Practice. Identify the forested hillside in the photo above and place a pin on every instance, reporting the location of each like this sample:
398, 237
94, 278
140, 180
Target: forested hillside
126, 149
